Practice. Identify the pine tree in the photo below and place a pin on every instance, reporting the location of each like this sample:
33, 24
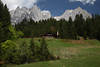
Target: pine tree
32, 47
61, 28
72, 29
4, 22
44, 50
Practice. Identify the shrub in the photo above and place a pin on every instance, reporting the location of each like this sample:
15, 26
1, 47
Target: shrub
20, 34
8, 48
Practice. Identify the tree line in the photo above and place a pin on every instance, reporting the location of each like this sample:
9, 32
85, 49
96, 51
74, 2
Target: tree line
87, 28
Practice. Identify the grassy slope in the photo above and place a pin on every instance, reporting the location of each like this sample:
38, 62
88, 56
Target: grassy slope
72, 53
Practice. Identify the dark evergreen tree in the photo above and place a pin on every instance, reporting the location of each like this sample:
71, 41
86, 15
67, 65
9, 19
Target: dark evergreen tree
72, 30
61, 30
4, 22
32, 46
44, 52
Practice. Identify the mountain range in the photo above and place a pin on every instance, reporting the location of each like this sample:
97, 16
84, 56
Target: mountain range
37, 14
34, 13
72, 13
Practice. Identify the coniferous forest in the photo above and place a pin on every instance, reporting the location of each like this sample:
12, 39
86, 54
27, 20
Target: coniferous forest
62, 29
88, 29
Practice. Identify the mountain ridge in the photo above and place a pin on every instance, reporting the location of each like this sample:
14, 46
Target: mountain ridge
34, 13
37, 14
72, 13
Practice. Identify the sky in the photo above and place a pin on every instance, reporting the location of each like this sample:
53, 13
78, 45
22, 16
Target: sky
56, 7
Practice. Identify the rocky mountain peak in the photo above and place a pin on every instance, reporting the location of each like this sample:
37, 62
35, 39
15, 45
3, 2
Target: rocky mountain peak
72, 13
37, 14
34, 13
79, 8
18, 8
35, 7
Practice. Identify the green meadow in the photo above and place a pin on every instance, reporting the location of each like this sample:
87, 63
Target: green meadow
72, 53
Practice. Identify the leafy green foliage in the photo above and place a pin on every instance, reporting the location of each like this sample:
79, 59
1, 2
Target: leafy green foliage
13, 32
20, 34
7, 50
22, 54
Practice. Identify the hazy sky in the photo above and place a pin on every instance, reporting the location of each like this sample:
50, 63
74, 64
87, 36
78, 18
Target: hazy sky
56, 7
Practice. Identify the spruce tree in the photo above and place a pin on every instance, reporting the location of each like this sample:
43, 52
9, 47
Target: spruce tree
44, 50
32, 47
4, 23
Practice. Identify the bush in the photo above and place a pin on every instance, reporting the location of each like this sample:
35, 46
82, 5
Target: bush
23, 54
13, 33
20, 34
7, 50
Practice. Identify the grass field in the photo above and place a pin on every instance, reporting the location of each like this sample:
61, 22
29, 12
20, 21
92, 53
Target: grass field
72, 53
